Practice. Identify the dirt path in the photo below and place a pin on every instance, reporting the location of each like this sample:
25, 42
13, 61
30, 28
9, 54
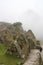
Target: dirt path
33, 58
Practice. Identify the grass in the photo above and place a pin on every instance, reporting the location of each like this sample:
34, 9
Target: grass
42, 63
7, 59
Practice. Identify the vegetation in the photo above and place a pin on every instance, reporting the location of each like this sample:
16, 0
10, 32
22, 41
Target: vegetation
15, 43
42, 63
7, 59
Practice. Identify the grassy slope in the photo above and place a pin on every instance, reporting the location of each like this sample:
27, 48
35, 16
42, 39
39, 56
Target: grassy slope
7, 59
42, 63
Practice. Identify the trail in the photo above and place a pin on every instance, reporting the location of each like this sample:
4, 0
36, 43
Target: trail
33, 58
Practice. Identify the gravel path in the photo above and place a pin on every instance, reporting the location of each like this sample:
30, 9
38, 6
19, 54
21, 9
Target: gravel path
33, 58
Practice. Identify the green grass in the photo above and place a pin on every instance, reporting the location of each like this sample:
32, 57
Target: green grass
42, 63
7, 59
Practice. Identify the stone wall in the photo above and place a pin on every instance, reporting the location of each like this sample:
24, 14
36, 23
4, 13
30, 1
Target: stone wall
34, 58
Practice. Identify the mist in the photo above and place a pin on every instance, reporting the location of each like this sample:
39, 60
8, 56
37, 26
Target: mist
28, 12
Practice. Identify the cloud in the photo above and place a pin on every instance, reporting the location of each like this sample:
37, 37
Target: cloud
29, 12
33, 21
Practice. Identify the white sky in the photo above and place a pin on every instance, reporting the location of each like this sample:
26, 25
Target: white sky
11, 9
29, 12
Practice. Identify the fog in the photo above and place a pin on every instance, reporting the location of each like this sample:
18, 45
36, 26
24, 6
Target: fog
29, 12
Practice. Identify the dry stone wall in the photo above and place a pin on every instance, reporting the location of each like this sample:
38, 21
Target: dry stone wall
34, 58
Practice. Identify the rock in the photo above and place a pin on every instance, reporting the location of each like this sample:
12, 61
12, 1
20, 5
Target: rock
33, 58
2, 64
20, 42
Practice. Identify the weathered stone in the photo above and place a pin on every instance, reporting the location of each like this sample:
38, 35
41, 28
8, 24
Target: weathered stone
20, 42
33, 58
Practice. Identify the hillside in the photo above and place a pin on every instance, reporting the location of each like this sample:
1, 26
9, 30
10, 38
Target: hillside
16, 43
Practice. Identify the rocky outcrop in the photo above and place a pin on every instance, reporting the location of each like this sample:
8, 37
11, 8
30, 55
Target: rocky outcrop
20, 43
